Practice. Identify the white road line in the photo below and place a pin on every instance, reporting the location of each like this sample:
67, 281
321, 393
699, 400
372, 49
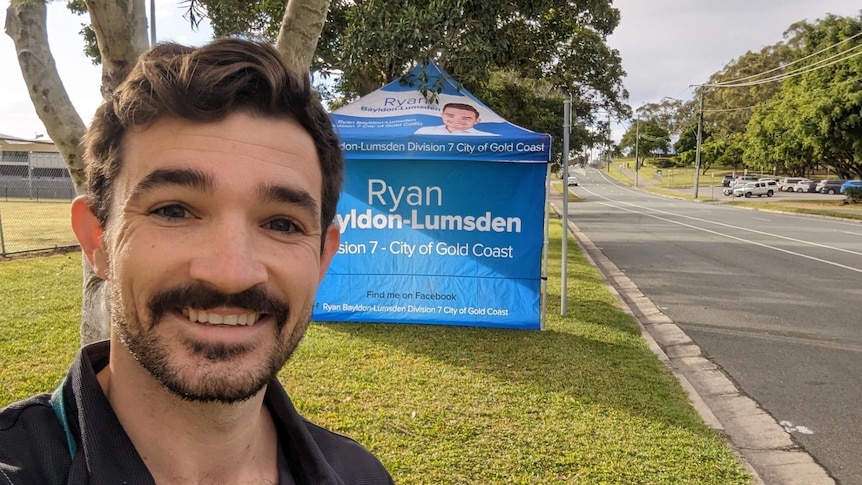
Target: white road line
767, 246
755, 231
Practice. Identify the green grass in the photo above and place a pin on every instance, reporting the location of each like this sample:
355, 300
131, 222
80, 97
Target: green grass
831, 208
39, 312
672, 182
29, 225
710, 188
670, 177
584, 401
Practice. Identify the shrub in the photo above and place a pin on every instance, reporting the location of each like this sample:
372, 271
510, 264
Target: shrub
853, 195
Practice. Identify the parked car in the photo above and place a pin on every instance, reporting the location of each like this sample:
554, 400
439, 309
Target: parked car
743, 179
728, 178
850, 183
830, 186
572, 180
787, 184
759, 189
805, 185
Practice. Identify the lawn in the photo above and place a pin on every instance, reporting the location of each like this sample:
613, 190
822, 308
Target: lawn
831, 208
584, 401
27, 225
710, 189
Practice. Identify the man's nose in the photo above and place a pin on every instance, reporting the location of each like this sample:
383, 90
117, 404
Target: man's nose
227, 259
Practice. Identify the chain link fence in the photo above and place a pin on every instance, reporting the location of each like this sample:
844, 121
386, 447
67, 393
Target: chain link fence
34, 207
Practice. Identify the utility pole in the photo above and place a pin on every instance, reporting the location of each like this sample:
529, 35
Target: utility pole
152, 23
608, 149
567, 115
699, 141
637, 144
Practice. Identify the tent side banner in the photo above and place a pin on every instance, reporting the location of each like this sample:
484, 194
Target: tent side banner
438, 242
373, 142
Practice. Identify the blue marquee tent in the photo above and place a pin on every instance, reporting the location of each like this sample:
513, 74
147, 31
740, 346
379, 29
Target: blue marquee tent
436, 227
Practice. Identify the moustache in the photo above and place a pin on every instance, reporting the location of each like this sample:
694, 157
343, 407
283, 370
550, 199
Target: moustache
254, 299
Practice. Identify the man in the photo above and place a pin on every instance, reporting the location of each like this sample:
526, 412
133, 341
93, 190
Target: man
458, 119
213, 176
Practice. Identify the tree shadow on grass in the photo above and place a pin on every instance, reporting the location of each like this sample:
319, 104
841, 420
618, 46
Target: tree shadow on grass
599, 360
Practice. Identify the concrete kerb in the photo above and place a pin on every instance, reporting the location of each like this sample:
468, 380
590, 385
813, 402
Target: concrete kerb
763, 445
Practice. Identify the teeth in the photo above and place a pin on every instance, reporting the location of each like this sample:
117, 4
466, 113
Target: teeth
233, 319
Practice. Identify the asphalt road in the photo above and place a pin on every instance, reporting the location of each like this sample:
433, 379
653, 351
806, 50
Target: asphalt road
774, 299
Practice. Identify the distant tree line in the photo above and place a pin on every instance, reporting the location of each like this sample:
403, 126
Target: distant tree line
792, 108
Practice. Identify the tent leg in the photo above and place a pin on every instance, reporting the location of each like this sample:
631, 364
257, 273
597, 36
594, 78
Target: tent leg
545, 244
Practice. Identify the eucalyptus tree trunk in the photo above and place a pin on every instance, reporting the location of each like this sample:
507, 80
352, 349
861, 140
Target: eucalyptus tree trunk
26, 25
121, 33
300, 30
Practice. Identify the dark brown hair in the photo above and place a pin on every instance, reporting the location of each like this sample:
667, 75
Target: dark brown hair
207, 84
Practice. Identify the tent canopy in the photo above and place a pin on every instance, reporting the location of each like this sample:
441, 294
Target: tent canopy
384, 125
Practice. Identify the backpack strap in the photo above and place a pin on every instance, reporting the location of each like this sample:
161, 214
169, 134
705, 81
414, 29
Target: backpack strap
59, 405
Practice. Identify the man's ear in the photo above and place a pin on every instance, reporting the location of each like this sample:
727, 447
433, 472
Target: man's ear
330, 246
89, 233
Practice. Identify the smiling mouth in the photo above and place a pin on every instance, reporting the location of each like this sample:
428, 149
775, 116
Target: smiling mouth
212, 318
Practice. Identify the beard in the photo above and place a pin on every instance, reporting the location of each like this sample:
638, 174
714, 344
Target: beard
213, 375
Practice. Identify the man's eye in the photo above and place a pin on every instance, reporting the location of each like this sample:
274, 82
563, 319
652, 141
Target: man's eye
282, 225
173, 211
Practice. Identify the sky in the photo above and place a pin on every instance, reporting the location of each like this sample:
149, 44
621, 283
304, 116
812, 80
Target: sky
666, 47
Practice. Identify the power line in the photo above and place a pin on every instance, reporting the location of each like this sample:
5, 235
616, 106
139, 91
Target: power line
774, 102
790, 63
813, 67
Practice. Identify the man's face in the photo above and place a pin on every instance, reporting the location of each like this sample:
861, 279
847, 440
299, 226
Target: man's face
457, 119
213, 250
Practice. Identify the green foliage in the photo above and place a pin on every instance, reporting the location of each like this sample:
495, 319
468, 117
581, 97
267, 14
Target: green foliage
673, 115
559, 46
853, 195
724, 151
816, 117
812, 118
381, 38
661, 162
686, 145
91, 46
647, 137
231, 18
533, 104
728, 110
550, 44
